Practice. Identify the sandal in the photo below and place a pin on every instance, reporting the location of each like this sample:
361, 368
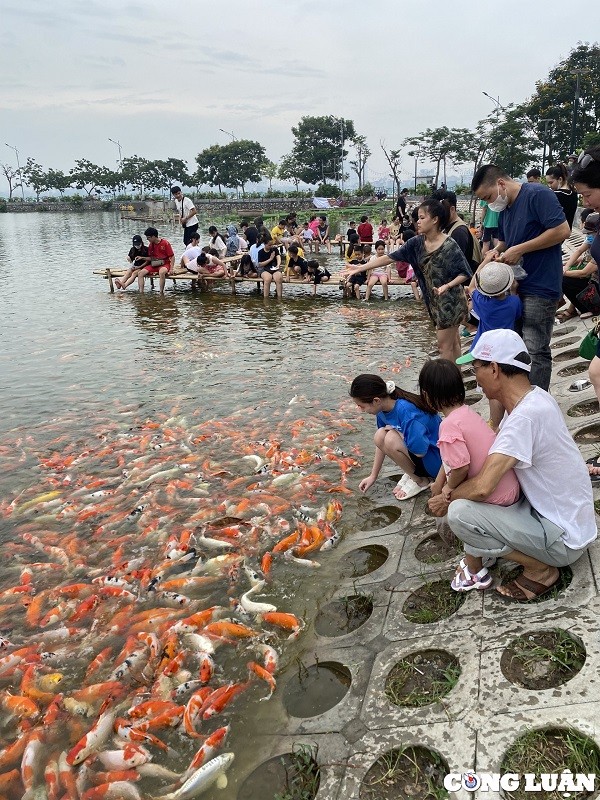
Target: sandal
594, 462
464, 580
487, 563
521, 584
580, 385
410, 489
563, 316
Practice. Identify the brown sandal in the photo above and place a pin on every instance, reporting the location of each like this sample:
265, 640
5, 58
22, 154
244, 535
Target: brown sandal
521, 584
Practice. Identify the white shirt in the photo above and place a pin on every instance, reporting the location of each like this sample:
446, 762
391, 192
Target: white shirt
183, 212
220, 246
191, 254
254, 253
550, 469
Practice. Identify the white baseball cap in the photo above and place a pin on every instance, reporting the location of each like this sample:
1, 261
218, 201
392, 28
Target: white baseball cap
501, 346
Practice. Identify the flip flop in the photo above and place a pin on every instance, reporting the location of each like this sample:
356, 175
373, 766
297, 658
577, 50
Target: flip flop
580, 385
411, 489
520, 583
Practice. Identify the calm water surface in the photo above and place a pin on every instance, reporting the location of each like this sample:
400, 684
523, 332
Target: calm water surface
97, 385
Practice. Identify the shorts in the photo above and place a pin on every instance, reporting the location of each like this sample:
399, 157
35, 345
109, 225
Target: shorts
420, 470
271, 272
318, 278
155, 270
358, 280
489, 234
212, 268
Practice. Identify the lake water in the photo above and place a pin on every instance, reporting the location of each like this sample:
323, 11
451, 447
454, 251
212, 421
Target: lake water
112, 403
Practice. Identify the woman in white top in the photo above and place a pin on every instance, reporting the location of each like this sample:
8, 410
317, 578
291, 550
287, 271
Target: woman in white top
217, 241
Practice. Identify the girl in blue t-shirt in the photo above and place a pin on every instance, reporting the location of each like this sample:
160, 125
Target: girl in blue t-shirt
407, 432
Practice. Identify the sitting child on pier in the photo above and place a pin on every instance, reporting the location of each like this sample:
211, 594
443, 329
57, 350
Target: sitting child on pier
246, 268
137, 257
354, 282
380, 275
307, 237
383, 232
295, 265
317, 274
465, 440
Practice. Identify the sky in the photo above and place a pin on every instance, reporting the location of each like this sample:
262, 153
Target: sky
162, 77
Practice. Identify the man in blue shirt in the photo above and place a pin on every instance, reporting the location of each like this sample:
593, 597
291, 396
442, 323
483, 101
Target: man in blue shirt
531, 229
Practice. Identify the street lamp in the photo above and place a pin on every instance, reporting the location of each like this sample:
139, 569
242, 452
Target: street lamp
577, 73
228, 134
120, 151
19, 168
545, 123
497, 102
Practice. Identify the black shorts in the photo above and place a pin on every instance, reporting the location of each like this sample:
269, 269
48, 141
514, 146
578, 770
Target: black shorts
359, 279
420, 470
318, 278
489, 234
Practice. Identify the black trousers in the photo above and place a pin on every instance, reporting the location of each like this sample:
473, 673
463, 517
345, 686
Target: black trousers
188, 232
571, 288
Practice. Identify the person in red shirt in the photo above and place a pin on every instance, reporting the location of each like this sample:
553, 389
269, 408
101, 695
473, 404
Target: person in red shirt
365, 230
160, 260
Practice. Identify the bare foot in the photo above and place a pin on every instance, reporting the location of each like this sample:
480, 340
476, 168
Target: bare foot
118, 283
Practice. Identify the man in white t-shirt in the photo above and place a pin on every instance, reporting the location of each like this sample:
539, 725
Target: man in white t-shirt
553, 523
187, 214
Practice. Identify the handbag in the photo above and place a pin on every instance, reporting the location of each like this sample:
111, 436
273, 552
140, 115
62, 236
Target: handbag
589, 298
589, 343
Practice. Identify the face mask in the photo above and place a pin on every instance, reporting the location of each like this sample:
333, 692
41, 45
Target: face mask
590, 238
499, 203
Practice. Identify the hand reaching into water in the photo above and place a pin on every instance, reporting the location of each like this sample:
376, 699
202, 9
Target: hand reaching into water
366, 484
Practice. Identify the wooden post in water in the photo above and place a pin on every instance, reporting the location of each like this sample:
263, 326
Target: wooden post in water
110, 281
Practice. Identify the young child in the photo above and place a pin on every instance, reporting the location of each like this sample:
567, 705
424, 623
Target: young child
246, 268
351, 229
295, 265
322, 234
317, 274
407, 432
380, 275
464, 443
383, 231
493, 304
365, 230
360, 278
307, 237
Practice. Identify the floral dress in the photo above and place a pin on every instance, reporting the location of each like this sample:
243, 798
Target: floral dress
434, 270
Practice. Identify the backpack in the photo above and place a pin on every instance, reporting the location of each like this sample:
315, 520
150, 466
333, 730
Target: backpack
476, 256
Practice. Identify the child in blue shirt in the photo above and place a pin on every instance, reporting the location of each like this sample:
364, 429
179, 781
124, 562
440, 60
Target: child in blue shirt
493, 304
407, 432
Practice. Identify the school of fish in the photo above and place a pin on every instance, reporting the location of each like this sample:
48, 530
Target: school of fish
138, 565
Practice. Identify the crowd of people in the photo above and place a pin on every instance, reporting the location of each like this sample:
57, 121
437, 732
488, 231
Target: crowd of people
517, 486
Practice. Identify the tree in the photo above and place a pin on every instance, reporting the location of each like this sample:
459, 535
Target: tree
362, 154
171, 172
270, 172
554, 98
290, 170
394, 159
56, 179
232, 165
140, 173
11, 174
34, 176
440, 145
87, 176
245, 163
319, 146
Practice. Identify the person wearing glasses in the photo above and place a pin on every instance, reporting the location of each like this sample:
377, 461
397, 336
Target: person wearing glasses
531, 228
553, 522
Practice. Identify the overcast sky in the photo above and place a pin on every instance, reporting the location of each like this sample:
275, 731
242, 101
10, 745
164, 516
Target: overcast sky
163, 77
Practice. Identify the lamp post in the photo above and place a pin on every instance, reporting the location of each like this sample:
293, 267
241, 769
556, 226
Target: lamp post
577, 73
342, 156
114, 141
497, 102
19, 169
545, 123
233, 138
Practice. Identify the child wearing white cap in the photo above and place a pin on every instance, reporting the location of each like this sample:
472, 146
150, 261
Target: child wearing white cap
493, 304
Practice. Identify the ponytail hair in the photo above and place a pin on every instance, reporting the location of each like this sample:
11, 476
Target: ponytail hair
367, 387
559, 171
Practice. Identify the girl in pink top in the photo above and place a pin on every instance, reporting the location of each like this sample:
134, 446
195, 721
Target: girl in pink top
465, 440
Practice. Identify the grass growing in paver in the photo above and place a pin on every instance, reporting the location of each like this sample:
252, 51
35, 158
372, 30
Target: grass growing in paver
431, 602
302, 774
434, 550
543, 660
422, 678
344, 615
551, 750
408, 773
